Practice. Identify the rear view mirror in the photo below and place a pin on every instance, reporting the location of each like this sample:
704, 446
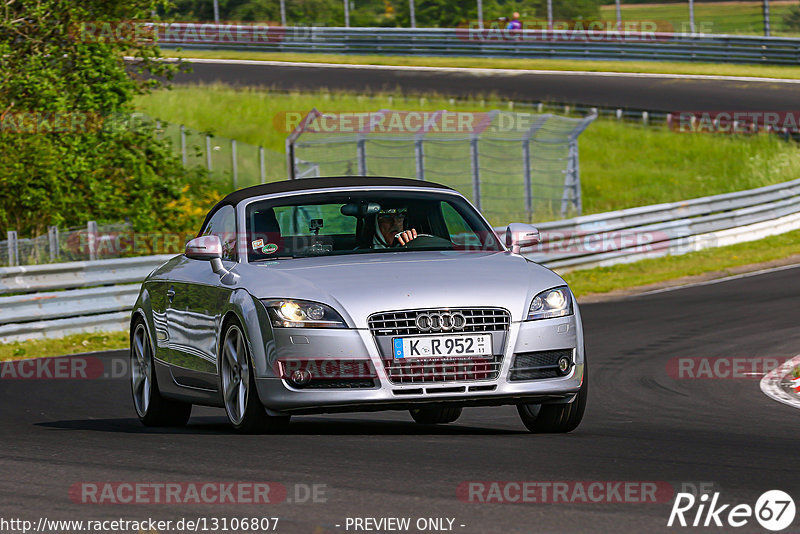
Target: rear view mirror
205, 247
360, 209
519, 235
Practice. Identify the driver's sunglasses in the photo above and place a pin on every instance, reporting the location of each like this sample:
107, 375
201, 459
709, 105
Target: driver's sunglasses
395, 216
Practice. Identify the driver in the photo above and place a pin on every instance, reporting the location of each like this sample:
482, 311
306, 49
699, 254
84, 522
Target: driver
389, 232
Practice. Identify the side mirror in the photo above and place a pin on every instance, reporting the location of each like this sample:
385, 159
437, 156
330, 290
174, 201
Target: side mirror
209, 247
205, 247
519, 235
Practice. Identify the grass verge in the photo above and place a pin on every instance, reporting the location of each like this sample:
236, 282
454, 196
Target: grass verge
651, 67
623, 165
72, 344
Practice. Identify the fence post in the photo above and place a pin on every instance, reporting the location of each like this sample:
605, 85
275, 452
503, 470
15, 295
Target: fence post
526, 171
52, 237
235, 168
261, 165
184, 159
476, 173
13, 249
91, 229
362, 156
208, 153
419, 156
290, 171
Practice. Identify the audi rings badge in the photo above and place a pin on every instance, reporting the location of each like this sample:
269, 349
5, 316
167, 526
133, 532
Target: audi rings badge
440, 321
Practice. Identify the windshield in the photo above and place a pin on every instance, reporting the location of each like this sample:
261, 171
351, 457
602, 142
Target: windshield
364, 222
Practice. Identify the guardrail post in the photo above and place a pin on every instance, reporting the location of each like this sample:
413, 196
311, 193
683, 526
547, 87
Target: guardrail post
645, 118
261, 165
184, 158
476, 173
526, 171
208, 153
419, 157
91, 229
52, 238
235, 168
13, 248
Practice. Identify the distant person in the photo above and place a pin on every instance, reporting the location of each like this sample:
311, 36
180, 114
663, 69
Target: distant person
514, 23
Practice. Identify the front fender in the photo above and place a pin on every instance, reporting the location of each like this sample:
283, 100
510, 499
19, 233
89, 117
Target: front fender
253, 318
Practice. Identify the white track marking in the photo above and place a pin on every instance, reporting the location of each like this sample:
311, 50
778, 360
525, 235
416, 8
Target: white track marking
718, 280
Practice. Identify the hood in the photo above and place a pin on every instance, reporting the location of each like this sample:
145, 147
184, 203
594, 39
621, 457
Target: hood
360, 285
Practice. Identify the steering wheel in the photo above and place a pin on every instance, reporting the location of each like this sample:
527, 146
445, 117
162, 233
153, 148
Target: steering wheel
428, 240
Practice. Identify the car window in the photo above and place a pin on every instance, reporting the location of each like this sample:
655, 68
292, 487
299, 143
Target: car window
223, 225
461, 234
363, 222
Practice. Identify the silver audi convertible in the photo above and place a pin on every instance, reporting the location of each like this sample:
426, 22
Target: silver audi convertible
327, 295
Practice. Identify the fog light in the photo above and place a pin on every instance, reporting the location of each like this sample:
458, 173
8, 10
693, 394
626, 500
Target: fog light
564, 365
300, 378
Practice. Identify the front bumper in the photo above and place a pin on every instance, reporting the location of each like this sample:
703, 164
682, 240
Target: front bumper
278, 396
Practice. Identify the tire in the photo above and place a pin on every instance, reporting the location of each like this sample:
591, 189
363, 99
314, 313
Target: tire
237, 384
151, 408
435, 415
556, 418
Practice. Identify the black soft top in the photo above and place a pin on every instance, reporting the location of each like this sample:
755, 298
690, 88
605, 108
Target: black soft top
304, 184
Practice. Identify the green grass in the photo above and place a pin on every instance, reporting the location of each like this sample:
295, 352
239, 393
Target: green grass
73, 344
605, 279
654, 67
622, 165
710, 17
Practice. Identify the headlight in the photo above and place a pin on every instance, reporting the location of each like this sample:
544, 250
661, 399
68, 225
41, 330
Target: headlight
302, 313
554, 302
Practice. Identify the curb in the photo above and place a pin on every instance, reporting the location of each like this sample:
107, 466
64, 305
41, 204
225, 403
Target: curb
777, 384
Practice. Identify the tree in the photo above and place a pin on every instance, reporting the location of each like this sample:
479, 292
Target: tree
68, 152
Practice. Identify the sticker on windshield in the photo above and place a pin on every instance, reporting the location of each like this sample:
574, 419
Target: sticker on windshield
258, 243
269, 248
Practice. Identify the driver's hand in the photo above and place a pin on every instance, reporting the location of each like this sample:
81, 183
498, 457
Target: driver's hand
406, 236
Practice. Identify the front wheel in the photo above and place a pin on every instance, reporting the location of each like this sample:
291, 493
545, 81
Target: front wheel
556, 418
435, 416
151, 407
238, 387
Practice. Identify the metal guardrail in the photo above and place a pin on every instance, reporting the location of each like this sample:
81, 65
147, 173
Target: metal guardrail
672, 228
561, 44
103, 292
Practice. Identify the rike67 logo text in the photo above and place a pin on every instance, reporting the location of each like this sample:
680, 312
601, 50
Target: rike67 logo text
774, 510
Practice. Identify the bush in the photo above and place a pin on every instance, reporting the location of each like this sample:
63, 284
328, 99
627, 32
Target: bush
65, 158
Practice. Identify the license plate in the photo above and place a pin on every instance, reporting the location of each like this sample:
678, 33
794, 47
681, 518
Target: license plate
442, 346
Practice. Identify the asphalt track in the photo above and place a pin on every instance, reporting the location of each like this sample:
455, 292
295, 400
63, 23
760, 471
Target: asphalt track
641, 424
648, 92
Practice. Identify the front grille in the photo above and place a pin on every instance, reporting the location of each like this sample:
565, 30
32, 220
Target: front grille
403, 323
537, 365
434, 370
